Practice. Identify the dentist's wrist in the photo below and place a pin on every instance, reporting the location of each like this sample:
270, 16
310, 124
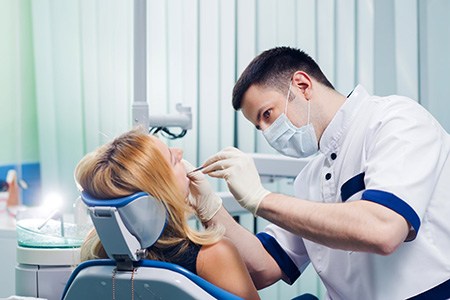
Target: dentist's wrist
253, 201
209, 208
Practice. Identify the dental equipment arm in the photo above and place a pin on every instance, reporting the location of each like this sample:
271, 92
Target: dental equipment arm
140, 110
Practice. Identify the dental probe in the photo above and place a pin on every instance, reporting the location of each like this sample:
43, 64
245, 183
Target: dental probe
195, 170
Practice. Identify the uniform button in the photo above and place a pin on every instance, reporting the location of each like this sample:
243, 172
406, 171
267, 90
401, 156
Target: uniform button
333, 156
328, 176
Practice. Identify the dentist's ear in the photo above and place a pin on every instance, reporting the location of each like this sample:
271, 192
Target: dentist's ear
304, 83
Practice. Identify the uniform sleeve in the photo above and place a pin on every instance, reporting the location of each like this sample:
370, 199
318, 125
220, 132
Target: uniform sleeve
287, 249
403, 160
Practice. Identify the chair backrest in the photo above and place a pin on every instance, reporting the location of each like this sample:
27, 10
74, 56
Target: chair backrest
126, 227
150, 280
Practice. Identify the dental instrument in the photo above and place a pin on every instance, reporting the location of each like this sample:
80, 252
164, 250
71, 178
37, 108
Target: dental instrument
195, 170
50, 216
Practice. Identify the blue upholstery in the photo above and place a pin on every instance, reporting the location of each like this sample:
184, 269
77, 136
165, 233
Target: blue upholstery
72, 289
117, 202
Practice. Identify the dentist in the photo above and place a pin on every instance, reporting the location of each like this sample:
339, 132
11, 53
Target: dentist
371, 209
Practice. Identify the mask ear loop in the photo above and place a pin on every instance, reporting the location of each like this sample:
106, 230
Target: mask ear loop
287, 98
309, 110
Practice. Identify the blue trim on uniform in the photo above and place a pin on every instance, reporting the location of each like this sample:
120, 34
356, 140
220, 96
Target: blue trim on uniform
439, 292
352, 186
283, 260
396, 204
306, 296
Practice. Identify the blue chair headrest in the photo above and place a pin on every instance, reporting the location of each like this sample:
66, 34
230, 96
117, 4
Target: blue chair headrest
133, 222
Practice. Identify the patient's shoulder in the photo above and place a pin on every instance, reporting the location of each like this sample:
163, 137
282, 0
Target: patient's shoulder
217, 255
220, 255
222, 265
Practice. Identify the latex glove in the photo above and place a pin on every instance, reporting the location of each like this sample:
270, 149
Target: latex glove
239, 171
202, 197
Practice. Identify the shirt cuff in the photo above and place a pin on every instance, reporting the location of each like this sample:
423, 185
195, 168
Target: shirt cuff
396, 204
280, 256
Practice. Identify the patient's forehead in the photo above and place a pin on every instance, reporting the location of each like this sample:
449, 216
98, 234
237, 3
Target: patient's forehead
162, 147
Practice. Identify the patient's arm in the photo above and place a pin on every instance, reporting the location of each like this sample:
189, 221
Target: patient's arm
222, 265
263, 269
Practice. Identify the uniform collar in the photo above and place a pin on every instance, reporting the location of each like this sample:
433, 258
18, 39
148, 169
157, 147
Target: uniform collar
329, 141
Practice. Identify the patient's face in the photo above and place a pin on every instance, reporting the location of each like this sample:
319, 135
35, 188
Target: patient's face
174, 157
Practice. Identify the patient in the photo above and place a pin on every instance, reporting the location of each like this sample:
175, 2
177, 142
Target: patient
135, 162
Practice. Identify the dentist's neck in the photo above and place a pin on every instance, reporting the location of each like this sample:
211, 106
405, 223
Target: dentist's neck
326, 103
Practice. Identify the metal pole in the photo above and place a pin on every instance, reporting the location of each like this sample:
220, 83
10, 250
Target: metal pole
140, 113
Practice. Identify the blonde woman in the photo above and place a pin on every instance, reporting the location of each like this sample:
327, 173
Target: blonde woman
135, 162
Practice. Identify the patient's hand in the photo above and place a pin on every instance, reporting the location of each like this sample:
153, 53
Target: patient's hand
202, 197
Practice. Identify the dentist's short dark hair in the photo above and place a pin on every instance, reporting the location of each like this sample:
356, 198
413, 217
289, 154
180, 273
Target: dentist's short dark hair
273, 68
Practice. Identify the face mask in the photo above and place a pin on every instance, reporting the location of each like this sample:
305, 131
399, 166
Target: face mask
289, 140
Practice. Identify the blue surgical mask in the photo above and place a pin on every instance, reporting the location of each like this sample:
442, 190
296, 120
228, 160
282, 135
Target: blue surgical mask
289, 140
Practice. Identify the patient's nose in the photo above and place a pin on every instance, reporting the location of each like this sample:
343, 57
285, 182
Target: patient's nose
178, 153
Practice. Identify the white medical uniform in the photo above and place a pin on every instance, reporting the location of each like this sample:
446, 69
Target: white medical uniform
387, 150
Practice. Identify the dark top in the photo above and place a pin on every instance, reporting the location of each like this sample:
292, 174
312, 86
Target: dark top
187, 259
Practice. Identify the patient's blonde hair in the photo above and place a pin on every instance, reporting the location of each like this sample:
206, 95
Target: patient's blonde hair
129, 164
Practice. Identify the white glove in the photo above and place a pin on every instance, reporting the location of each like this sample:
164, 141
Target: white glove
202, 197
239, 171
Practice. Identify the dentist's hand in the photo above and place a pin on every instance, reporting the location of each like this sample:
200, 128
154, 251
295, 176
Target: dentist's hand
239, 171
202, 197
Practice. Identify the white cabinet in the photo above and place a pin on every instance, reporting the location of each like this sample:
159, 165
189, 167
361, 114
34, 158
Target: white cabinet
8, 244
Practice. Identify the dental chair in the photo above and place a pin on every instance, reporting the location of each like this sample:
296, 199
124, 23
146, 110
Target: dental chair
127, 227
